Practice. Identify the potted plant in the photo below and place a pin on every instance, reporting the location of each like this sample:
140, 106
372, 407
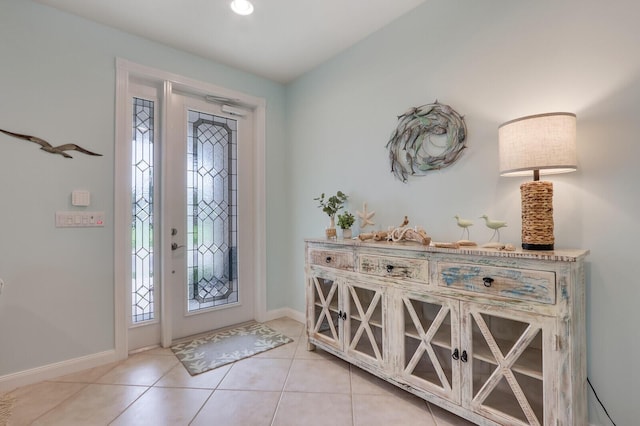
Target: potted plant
345, 221
330, 206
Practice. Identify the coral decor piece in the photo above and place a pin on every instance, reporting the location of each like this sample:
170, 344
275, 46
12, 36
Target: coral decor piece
46, 146
428, 137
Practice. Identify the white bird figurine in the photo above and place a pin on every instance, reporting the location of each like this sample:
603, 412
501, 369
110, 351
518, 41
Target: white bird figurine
46, 146
495, 225
464, 224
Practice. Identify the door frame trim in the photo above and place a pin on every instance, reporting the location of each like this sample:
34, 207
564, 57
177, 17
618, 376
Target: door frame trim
125, 70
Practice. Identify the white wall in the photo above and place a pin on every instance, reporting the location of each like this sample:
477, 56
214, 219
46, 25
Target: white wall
492, 61
57, 81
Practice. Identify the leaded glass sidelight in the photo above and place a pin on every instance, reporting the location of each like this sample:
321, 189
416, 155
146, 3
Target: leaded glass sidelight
211, 211
142, 268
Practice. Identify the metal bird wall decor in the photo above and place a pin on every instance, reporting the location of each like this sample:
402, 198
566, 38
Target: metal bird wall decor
46, 146
428, 137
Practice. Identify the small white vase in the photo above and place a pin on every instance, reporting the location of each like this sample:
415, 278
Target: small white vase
330, 231
347, 234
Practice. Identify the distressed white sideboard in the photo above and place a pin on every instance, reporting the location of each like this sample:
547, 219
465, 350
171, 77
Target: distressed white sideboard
496, 337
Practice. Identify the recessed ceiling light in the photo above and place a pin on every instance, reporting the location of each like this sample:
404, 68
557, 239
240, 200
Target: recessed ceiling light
242, 7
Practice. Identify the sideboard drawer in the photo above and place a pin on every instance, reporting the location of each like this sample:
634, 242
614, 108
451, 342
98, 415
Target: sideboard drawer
394, 267
332, 259
522, 284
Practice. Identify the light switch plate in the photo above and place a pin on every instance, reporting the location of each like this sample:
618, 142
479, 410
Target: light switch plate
79, 219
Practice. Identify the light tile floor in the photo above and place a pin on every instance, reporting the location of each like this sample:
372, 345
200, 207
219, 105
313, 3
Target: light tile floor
284, 386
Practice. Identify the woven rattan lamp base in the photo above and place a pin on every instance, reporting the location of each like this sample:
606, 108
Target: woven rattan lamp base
537, 215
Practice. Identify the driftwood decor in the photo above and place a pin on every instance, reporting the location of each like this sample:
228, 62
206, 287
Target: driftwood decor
417, 146
46, 146
397, 234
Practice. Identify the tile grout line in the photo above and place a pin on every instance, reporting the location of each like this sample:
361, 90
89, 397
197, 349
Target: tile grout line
353, 403
61, 402
284, 385
86, 385
142, 394
211, 394
298, 341
435, 422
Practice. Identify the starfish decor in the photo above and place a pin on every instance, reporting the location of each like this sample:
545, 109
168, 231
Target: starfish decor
365, 217
46, 146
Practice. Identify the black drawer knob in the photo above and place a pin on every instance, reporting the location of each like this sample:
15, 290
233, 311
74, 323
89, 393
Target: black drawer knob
455, 355
328, 259
464, 357
487, 281
389, 268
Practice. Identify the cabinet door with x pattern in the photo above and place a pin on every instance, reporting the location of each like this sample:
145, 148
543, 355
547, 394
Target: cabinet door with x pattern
366, 322
324, 304
508, 374
430, 350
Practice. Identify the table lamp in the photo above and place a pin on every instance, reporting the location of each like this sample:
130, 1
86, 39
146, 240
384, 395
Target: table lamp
538, 144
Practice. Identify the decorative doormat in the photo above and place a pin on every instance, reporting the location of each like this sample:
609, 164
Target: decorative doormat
6, 404
219, 348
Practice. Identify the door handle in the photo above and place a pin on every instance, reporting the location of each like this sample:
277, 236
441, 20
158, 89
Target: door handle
175, 246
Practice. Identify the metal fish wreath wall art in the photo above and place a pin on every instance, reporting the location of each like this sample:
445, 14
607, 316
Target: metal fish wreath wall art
428, 137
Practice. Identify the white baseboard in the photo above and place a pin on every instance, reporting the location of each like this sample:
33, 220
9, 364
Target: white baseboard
50, 371
286, 312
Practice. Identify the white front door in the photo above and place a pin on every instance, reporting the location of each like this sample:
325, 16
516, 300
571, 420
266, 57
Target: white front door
208, 205
189, 217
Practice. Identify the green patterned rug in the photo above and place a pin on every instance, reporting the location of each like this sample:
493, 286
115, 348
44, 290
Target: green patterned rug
219, 348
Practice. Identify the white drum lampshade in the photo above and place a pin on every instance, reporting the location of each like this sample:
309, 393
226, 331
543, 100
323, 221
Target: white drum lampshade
538, 145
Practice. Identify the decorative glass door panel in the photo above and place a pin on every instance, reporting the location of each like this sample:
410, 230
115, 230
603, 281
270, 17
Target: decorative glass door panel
431, 345
507, 367
142, 235
326, 313
211, 211
209, 193
143, 266
366, 322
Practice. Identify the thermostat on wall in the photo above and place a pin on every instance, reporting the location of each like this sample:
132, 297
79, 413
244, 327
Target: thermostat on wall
80, 198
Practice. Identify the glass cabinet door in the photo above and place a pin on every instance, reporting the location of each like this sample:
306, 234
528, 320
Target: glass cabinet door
430, 351
365, 325
506, 363
325, 314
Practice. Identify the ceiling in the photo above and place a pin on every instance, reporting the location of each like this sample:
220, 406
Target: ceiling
280, 41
